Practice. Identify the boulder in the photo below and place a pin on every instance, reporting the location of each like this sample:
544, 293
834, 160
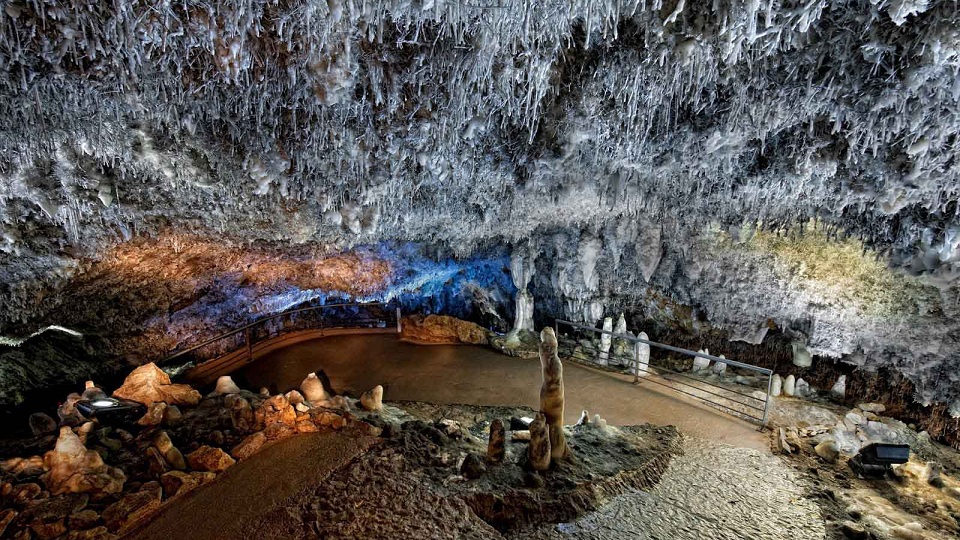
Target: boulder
312, 389
801, 388
875, 408
41, 424
149, 384
643, 355
74, 469
21, 494
295, 398
154, 415
179, 482
496, 446
933, 474
96, 533
327, 419
276, 410
372, 400
719, 368
156, 465
84, 519
472, 466
242, 417
49, 530
171, 454
172, 416
209, 458
53, 508
249, 446
133, 507
23, 467
6, 517
828, 451
225, 385
442, 329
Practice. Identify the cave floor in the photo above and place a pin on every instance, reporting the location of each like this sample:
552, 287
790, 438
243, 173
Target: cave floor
476, 375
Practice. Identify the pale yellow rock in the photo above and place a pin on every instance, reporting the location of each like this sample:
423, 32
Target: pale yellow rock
74, 469
149, 384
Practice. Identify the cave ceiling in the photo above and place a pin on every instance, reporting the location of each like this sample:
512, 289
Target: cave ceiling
743, 165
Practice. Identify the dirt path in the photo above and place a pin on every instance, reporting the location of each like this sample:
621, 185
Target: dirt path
229, 507
477, 375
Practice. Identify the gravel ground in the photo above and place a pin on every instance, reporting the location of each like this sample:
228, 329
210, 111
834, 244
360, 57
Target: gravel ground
712, 491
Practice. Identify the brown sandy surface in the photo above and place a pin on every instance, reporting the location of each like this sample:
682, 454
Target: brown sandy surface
230, 507
477, 375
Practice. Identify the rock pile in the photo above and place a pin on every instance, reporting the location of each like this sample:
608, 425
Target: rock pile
99, 480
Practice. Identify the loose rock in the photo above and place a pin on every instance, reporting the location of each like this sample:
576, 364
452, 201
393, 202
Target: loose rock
473, 467
249, 446
133, 507
74, 469
171, 454
154, 415
42, 424
148, 384
828, 450
208, 458
179, 482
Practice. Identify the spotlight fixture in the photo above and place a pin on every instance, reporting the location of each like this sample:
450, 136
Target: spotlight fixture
874, 460
110, 410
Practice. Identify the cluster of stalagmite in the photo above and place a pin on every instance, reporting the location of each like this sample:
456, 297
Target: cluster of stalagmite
547, 440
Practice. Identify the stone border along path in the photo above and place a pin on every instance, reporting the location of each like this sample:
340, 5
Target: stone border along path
477, 375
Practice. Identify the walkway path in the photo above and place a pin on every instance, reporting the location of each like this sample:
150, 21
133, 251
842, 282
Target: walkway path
227, 508
480, 376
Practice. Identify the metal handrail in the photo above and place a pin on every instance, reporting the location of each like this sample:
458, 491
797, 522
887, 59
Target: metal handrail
269, 318
688, 352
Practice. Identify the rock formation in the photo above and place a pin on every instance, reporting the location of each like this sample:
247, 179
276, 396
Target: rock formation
496, 445
605, 341
149, 384
551, 393
74, 469
372, 400
776, 385
209, 458
225, 385
442, 329
643, 356
790, 386
700, 363
312, 389
538, 450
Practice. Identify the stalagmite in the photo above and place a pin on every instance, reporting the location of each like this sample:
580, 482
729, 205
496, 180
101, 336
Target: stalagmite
700, 363
372, 400
71, 468
776, 386
605, 340
312, 389
551, 392
225, 385
538, 450
643, 355
839, 389
719, 368
496, 445
790, 385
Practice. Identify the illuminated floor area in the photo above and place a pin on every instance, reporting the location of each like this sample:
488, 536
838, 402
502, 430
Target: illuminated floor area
480, 376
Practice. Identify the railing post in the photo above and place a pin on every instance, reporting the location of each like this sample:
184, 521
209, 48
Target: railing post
399, 326
246, 338
636, 362
766, 403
